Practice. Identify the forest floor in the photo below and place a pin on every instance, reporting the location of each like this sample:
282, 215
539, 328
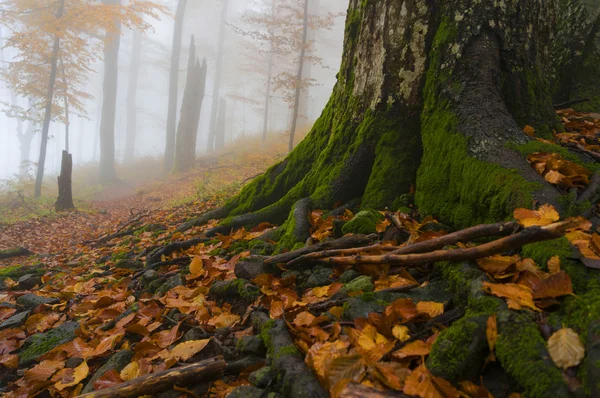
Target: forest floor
115, 300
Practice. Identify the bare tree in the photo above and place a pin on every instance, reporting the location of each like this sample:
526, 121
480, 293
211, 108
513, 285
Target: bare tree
298, 84
132, 89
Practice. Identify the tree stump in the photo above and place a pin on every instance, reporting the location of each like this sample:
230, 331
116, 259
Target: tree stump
65, 186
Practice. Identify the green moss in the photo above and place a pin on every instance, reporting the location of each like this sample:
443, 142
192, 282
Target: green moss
577, 312
40, 343
451, 185
522, 352
119, 256
360, 284
265, 335
457, 352
365, 222
287, 350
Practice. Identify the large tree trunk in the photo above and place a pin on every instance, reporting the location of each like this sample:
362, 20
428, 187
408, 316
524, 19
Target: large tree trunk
187, 132
217, 79
48, 112
173, 85
132, 89
112, 43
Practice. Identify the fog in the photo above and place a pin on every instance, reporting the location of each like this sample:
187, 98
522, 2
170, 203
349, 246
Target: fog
243, 84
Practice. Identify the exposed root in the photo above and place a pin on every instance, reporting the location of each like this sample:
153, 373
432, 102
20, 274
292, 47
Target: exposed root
155, 256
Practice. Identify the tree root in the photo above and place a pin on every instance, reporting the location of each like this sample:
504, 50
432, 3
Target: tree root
155, 383
120, 232
215, 214
355, 390
296, 379
11, 253
155, 256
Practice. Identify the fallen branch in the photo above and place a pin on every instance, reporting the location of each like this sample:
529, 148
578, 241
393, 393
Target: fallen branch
342, 243
466, 235
326, 305
516, 241
570, 103
592, 189
579, 148
155, 383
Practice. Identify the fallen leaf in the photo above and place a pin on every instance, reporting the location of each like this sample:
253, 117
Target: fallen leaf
422, 383
545, 215
185, 350
417, 348
130, 371
72, 377
400, 332
565, 348
430, 308
108, 380
530, 131
555, 285
492, 333
517, 296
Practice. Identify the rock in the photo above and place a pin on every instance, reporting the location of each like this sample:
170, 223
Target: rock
361, 307
73, 362
240, 288
361, 284
437, 291
262, 377
349, 275
31, 301
246, 392
319, 277
40, 343
29, 281
250, 269
15, 321
193, 334
170, 283
150, 275
117, 362
251, 345
130, 264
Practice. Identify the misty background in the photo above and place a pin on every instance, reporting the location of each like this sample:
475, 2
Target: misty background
243, 84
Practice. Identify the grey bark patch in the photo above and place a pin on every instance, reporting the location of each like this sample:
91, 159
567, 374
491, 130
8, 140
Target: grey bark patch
250, 269
40, 343
251, 345
302, 210
117, 362
31, 301
15, 320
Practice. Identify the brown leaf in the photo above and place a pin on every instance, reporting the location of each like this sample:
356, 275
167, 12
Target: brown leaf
555, 285
422, 383
565, 348
517, 296
72, 377
417, 348
545, 215
108, 380
186, 350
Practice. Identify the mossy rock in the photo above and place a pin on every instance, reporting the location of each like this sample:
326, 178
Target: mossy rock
246, 392
251, 345
130, 265
238, 292
15, 321
40, 343
172, 282
361, 284
365, 222
31, 301
15, 272
319, 276
460, 351
16, 252
116, 362
262, 377
362, 306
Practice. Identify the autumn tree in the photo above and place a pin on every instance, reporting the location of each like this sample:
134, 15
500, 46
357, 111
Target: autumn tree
132, 90
187, 132
432, 98
44, 33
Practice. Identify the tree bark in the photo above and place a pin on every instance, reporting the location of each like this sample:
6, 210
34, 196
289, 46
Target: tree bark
48, 111
221, 122
173, 85
112, 44
132, 89
304, 117
65, 187
187, 132
217, 79
299, 77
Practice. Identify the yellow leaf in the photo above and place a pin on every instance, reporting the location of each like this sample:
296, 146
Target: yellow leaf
401, 332
224, 320
565, 348
431, 308
545, 215
196, 267
554, 265
10, 283
517, 296
321, 292
530, 131
71, 379
130, 371
186, 350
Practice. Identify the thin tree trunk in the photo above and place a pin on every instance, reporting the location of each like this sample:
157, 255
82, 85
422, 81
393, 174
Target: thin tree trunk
221, 122
299, 77
80, 140
48, 111
269, 78
134, 77
173, 85
66, 102
217, 79
187, 132
65, 191
112, 43
303, 109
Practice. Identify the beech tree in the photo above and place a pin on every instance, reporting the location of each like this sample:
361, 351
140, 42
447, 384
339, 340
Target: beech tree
430, 106
132, 89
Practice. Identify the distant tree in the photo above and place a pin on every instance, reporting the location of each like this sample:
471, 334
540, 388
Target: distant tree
173, 85
217, 78
221, 122
283, 28
43, 32
187, 132
132, 89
